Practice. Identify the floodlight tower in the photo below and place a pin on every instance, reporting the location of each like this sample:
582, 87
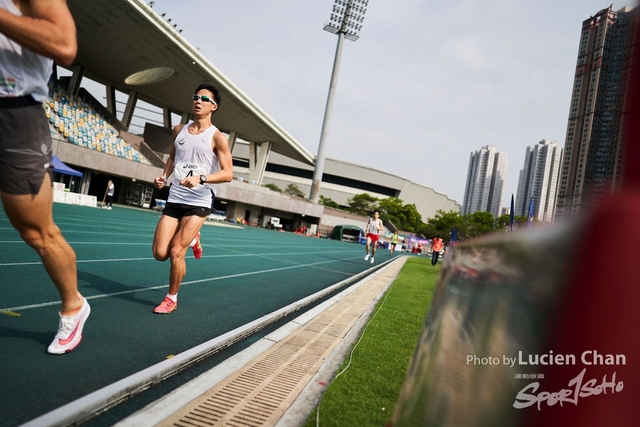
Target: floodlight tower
346, 21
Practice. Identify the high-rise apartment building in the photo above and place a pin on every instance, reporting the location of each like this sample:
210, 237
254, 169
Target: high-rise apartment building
539, 181
592, 162
485, 181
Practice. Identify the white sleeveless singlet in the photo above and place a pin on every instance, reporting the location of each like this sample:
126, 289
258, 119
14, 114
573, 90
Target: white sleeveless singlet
372, 226
194, 157
22, 71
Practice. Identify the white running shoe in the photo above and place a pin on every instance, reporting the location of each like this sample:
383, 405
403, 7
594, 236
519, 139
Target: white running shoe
371, 260
70, 330
366, 258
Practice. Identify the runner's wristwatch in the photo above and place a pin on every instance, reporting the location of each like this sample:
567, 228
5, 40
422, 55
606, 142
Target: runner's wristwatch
203, 179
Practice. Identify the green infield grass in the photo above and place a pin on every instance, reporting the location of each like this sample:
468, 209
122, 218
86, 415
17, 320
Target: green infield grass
366, 387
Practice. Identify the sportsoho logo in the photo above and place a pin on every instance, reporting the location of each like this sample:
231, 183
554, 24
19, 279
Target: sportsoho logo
577, 388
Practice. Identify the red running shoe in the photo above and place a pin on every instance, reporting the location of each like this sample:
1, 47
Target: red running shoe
197, 249
166, 306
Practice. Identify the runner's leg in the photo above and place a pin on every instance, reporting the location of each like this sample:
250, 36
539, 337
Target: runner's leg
189, 227
32, 216
165, 230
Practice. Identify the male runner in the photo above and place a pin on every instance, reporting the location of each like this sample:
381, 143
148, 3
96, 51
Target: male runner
199, 158
374, 227
32, 33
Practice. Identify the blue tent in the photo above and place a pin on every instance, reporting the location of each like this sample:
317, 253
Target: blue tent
60, 167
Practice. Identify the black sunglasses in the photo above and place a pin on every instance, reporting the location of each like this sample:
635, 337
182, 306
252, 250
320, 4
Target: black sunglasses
204, 98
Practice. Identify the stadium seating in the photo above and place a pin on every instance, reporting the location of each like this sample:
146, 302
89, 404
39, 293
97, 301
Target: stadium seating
78, 123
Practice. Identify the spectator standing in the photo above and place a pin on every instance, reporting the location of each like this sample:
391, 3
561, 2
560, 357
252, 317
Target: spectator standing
436, 248
108, 195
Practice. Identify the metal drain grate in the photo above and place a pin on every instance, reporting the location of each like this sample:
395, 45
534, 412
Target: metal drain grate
258, 394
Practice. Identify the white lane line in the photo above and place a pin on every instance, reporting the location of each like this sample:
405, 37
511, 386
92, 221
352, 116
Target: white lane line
86, 261
191, 282
86, 243
149, 241
293, 262
110, 233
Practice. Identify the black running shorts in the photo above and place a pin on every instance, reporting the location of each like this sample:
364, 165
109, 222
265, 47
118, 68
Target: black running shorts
179, 210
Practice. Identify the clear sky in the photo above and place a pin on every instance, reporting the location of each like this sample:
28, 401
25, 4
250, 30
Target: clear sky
427, 82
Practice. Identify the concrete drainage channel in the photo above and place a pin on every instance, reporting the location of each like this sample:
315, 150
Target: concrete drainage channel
283, 375
101, 400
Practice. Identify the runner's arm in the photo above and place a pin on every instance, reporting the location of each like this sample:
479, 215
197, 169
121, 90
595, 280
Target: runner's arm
171, 161
161, 181
170, 164
47, 29
221, 148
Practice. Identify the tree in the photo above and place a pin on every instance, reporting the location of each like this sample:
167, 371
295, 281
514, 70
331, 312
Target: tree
362, 204
443, 222
294, 190
429, 231
502, 222
405, 217
391, 210
273, 187
328, 202
521, 221
480, 223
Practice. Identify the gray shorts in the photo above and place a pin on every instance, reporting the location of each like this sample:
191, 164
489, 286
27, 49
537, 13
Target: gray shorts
25, 146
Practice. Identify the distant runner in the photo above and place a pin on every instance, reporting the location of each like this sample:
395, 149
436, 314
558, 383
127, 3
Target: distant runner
393, 242
374, 227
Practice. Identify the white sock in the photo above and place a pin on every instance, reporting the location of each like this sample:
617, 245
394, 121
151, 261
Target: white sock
193, 242
173, 298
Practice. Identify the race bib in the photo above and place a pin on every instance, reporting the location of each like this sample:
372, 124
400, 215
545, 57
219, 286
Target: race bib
185, 169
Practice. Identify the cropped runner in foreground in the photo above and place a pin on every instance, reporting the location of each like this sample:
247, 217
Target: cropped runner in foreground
33, 34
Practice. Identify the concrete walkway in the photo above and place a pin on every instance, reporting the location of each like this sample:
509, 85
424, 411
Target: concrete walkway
281, 378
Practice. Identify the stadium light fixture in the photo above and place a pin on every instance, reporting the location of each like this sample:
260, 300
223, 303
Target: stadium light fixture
151, 4
347, 17
345, 21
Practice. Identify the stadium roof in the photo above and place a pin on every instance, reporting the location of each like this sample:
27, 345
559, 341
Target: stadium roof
117, 38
